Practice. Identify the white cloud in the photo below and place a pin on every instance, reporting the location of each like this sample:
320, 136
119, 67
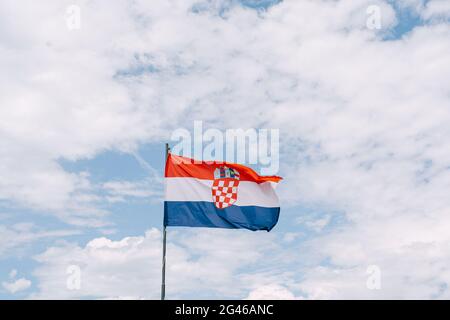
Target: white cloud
208, 261
291, 236
118, 191
60, 100
428, 9
21, 235
436, 9
416, 5
273, 292
316, 224
17, 285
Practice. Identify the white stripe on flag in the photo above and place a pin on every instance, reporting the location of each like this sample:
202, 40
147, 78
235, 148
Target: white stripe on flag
249, 193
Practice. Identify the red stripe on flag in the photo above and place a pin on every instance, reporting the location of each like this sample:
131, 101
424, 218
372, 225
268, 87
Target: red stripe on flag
179, 167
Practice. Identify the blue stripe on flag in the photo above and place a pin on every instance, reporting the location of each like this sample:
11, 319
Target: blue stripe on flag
205, 214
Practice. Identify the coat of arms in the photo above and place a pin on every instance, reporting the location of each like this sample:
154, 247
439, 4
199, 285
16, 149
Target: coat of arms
225, 187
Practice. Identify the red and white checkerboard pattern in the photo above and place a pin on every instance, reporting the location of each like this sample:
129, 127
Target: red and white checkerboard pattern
224, 192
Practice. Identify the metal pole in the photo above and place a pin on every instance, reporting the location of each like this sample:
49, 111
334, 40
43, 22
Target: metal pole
163, 283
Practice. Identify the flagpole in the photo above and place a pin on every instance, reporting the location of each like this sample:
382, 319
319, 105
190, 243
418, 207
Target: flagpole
163, 283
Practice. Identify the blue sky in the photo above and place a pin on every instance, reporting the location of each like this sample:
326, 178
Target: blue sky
84, 128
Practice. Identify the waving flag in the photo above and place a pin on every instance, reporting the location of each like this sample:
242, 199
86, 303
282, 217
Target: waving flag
227, 195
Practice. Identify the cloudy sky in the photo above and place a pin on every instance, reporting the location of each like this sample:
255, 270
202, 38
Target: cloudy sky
363, 109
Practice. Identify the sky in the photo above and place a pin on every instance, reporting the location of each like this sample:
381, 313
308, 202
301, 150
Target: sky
86, 106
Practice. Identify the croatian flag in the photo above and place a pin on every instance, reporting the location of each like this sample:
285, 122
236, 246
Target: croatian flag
226, 195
